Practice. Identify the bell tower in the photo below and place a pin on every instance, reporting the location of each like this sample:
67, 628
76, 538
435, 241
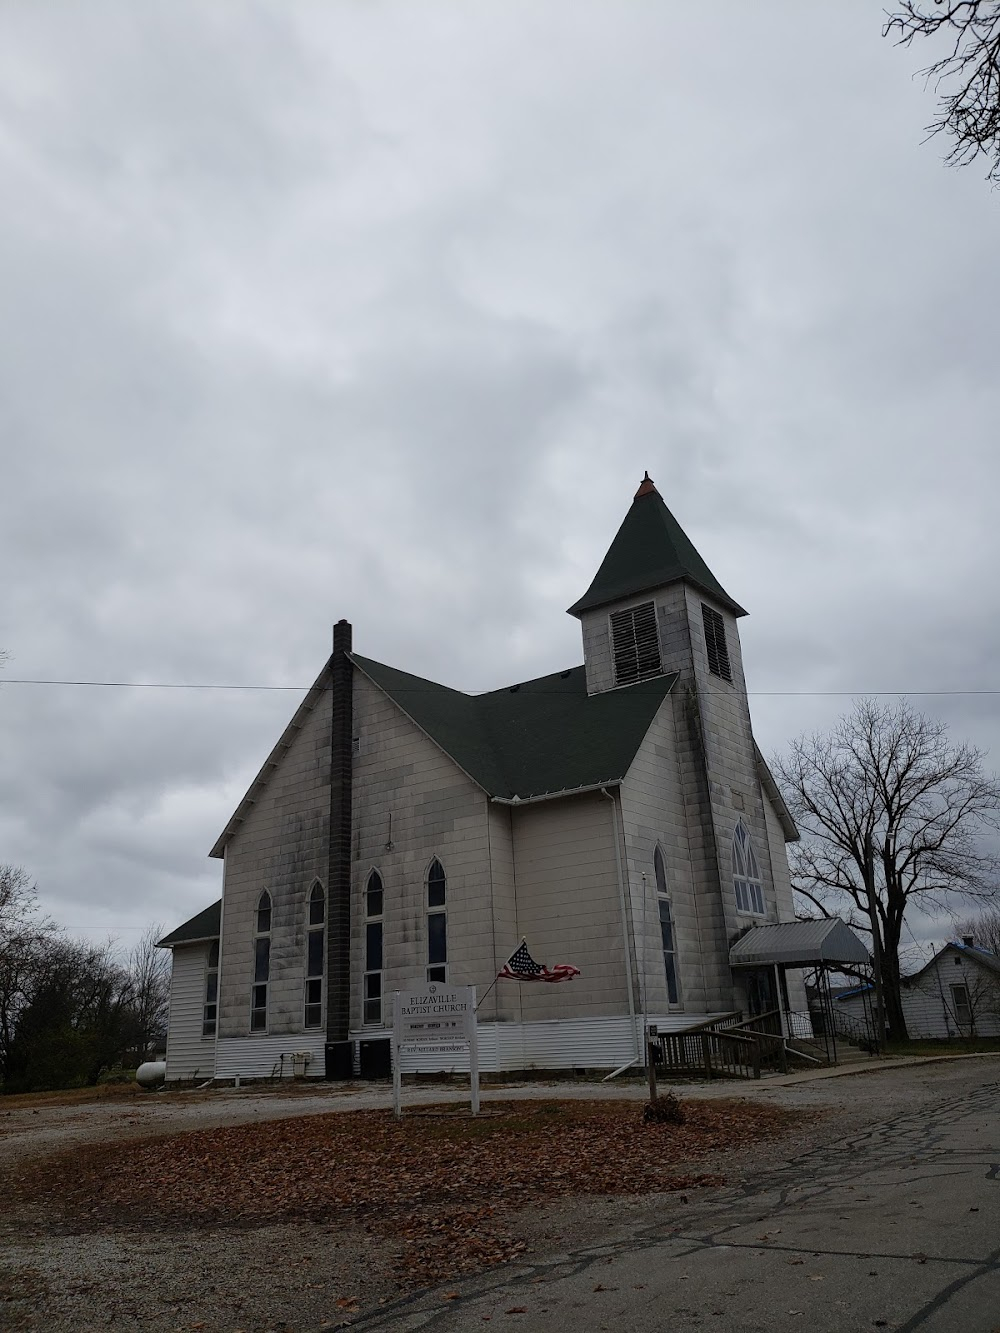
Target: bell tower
653, 608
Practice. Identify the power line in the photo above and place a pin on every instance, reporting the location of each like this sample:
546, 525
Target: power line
302, 689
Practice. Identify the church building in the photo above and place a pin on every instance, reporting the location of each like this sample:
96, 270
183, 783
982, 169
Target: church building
618, 816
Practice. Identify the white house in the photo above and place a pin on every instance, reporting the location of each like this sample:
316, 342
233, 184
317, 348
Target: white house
956, 994
617, 814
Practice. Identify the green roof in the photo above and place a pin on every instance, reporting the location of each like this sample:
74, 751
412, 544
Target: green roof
204, 926
651, 549
533, 739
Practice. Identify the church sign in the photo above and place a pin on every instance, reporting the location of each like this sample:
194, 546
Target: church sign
435, 1019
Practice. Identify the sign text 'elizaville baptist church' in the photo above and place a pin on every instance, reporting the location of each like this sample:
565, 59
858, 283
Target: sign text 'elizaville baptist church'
435, 1018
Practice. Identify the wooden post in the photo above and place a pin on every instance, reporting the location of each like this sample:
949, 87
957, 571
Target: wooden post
397, 1076
474, 1055
651, 1045
706, 1054
756, 1058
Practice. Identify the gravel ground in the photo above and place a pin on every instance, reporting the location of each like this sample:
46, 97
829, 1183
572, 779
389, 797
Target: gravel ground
310, 1277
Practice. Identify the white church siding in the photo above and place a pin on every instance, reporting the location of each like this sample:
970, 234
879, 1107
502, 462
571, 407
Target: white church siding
570, 1043
189, 1054
654, 814
502, 1004
280, 846
435, 811
569, 906
262, 1056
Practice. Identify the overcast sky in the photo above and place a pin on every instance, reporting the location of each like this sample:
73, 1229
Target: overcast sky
381, 310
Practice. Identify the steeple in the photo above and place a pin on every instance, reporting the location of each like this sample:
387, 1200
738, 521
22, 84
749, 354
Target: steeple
649, 551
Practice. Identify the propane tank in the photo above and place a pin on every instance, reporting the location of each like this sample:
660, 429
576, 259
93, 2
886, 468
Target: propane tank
151, 1074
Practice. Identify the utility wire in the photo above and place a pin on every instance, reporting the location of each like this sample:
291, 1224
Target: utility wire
521, 689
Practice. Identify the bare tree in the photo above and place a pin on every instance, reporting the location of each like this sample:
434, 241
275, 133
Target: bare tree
24, 936
890, 814
983, 930
149, 972
966, 76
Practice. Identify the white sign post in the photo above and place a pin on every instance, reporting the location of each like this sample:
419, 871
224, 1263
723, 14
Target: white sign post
434, 1019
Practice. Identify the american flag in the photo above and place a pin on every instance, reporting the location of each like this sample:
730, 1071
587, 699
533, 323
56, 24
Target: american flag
520, 966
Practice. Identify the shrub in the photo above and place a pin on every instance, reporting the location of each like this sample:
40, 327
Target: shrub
116, 1075
665, 1110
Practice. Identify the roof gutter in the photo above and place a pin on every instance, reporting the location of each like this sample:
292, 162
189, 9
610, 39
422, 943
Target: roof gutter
555, 795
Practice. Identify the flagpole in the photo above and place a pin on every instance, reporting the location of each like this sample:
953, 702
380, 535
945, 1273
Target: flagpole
524, 940
487, 990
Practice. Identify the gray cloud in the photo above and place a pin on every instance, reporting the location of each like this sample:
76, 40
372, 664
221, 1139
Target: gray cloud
382, 310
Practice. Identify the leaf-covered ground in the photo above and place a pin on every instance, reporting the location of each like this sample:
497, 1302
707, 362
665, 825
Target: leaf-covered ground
439, 1181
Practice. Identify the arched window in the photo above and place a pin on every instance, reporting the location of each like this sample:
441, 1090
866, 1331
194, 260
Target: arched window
746, 874
437, 923
211, 1010
374, 927
666, 926
315, 956
261, 964
264, 914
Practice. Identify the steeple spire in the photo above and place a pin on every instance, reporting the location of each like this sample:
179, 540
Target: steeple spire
650, 550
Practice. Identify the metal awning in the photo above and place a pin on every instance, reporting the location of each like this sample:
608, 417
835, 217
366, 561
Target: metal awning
799, 944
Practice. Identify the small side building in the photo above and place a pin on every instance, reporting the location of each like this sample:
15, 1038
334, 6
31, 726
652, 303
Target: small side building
956, 994
194, 995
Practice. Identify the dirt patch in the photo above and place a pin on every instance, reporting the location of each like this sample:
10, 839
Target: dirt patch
439, 1181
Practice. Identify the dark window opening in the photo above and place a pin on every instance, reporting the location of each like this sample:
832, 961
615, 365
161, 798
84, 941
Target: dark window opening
437, 924
635, 645
715, 643
374, 895
315, 958
371, 1000
210, 1013
667, 939
437, 938
666, 927
264, 915
436, 885
261, 966
963, 1009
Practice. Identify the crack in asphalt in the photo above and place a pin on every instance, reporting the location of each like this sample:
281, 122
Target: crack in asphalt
830, 1170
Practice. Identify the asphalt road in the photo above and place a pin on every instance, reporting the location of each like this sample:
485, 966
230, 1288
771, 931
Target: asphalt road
896, 1227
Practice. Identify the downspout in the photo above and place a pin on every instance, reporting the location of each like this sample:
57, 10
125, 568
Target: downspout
625, 940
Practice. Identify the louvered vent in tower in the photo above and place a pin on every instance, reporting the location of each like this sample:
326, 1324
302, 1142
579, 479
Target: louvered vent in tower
715, 643
635, 645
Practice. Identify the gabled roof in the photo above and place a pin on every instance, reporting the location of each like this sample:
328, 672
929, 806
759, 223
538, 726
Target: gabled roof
205, 926
827, 940
650, 550
982, 956
538, 738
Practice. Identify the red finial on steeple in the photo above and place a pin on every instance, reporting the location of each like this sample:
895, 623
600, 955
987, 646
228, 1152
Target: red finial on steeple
647, 487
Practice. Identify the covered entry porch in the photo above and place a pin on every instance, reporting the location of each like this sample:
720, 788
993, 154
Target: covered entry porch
762, 959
